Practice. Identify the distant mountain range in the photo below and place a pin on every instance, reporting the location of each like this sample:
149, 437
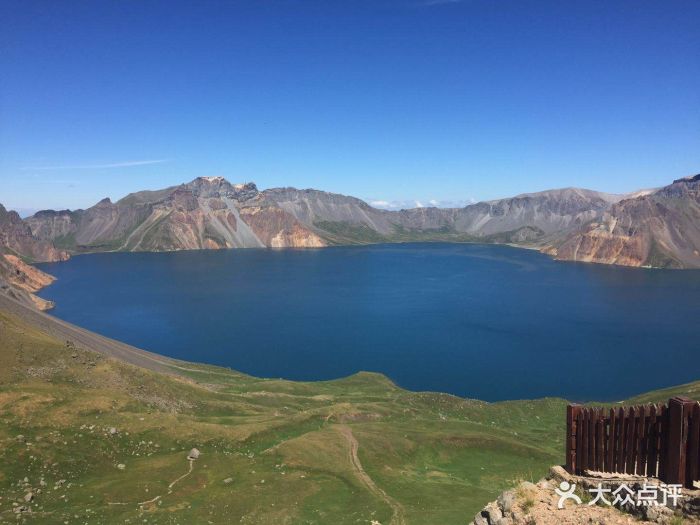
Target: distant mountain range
659, 228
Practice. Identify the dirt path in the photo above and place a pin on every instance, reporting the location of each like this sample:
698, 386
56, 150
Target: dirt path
397, 509
170, 487
156, 498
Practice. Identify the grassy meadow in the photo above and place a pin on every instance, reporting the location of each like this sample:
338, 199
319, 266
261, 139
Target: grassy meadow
88, 439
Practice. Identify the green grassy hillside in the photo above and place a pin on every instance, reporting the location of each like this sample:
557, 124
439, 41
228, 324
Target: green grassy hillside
95, 440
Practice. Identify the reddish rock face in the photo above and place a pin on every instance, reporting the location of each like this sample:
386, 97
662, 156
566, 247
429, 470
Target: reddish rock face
278, 229
661, 229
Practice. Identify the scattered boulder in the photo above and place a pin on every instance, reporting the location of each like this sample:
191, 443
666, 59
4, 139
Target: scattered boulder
121, 466
28, 497
228, 480
113, 431
480, 519
489, 515
194, 454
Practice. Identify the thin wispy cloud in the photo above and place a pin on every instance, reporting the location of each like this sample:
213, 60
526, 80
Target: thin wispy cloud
125, 164
418, 203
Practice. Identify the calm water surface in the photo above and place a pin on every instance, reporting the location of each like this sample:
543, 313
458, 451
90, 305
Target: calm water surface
488, 322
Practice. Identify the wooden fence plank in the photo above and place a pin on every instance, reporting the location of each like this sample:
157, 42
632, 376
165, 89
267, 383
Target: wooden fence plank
652, 438
631, 436
642, 441
621, 439
676, 447
591, 439
693, 465
662, 425
579, 442
610, 443
571, 430
584, 442
600, 440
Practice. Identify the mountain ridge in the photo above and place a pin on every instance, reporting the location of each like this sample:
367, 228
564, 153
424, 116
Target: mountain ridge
570, 223
658, 229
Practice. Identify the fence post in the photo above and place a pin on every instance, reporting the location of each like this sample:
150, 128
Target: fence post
572, 412
677, 433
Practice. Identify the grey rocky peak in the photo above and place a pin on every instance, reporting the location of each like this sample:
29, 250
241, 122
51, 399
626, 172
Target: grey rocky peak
218, 187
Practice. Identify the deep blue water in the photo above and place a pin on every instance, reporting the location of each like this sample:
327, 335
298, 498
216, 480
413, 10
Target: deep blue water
487, 322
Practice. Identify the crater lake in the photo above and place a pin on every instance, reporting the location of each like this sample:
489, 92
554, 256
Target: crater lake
479, 321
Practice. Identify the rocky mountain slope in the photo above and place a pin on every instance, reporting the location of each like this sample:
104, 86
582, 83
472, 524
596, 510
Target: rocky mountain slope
659, 229
16, 238
528, 218
17, 245
207, 213
213, 213
20, 281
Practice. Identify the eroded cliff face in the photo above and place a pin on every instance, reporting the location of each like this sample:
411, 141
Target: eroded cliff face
20, 281
661, 229
207, 213
278, 229
16, 238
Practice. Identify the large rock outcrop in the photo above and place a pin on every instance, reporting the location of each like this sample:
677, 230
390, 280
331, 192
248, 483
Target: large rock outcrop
20, 281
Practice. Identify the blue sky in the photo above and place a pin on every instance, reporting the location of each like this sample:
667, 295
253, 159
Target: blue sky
392, 100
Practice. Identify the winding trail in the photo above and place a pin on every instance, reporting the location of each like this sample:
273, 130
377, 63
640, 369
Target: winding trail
170, 489
398, 517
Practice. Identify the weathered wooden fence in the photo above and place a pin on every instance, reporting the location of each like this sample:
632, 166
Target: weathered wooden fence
661, 441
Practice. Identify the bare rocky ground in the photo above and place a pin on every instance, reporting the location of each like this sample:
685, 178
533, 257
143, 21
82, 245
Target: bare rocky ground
537, 504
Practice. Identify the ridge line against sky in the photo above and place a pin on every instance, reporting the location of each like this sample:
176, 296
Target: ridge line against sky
377, 203
396, 101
